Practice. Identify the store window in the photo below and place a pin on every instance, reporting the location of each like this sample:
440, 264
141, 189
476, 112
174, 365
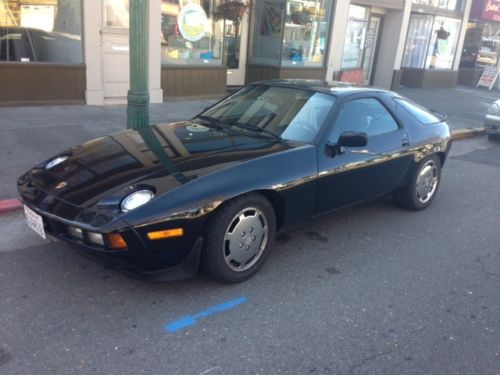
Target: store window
291, 33
354, 44
190, 33
431, 42
481, 45
116, 14
305, 33
41, 31
267, 30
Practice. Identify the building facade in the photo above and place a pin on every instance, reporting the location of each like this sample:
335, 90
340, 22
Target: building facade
482, 42
76, 51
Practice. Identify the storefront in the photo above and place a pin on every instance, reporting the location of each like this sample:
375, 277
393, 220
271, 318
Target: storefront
482, 42
432, 49
41, 52
76, 51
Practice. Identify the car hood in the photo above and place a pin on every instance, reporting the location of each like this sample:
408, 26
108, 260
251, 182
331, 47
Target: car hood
100, 172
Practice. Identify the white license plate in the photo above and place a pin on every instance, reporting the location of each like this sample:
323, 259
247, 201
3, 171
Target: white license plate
35, 221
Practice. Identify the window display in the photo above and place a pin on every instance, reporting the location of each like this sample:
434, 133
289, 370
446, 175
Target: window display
190, 33
305, 33
291, 33
431, 42
41, 31
443, 43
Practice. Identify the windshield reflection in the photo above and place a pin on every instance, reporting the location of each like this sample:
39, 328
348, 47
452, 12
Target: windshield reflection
290, 113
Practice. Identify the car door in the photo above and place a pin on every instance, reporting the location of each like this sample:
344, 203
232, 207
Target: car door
359, 173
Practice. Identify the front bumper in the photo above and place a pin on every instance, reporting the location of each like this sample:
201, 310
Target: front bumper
137, 259
492, 124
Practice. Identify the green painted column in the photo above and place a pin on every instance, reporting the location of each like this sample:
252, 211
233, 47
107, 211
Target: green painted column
138, 95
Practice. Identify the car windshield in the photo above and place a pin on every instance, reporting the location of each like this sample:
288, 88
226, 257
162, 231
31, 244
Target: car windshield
280, 112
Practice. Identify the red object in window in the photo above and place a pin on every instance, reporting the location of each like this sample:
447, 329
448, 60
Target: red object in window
356, 76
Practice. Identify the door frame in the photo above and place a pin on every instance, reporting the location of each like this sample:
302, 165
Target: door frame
236, 77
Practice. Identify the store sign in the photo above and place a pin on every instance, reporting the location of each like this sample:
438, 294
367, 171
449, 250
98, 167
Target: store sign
38, 17
491, 10
192, 21
489, 76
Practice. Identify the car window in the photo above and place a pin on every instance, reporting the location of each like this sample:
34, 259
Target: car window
420, 114
367, 115
293, 114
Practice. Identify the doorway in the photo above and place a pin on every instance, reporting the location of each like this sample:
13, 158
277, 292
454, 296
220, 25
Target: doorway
235, 50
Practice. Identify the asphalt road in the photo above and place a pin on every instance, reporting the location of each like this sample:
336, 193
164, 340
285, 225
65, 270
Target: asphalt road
371, 290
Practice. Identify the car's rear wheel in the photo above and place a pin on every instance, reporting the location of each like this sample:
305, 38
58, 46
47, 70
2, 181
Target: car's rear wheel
423, 185
239, 238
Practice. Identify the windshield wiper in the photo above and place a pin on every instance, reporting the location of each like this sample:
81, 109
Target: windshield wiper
211, 122
257, 130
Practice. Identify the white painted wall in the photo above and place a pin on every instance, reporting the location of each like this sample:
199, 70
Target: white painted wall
155, 91
392, 43
337, 38
106, 56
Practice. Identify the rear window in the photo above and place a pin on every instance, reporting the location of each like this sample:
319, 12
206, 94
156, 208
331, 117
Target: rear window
421, 114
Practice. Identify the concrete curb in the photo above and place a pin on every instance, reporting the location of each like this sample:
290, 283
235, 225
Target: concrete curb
14, 204
467, 133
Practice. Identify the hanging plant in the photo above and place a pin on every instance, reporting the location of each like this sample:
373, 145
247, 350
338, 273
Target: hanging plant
303, 16
232, 10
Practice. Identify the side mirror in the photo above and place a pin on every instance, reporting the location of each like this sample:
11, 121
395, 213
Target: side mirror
346, 139
353, 139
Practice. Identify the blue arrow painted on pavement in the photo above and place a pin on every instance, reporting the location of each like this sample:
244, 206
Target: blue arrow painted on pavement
191, 320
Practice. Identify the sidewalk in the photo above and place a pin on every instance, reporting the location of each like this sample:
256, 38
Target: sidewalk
31, 134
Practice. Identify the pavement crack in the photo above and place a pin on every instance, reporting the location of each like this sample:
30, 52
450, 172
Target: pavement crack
367, 360
480, 259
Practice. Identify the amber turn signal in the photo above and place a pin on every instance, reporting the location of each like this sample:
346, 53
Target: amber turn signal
116, 241
168, 233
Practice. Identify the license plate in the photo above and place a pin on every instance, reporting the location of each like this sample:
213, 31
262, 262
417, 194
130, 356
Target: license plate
34, 221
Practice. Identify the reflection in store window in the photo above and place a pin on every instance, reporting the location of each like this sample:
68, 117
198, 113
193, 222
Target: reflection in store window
481, 45
190, 34
267, 27
116, 13
41, 31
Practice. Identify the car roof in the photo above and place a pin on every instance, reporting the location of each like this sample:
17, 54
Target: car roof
331, 87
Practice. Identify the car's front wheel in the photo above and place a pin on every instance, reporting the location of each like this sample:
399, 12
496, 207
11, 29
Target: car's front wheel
423, 185
238, 238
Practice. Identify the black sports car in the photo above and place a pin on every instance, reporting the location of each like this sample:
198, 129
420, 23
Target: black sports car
216, 189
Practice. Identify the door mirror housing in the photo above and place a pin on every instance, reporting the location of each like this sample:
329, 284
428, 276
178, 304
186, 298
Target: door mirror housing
346, 139
353, 139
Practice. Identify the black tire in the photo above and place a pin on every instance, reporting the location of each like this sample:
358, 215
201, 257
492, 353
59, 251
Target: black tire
408, 196
217, 248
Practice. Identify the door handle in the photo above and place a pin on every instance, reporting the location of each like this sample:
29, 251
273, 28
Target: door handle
405, 142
